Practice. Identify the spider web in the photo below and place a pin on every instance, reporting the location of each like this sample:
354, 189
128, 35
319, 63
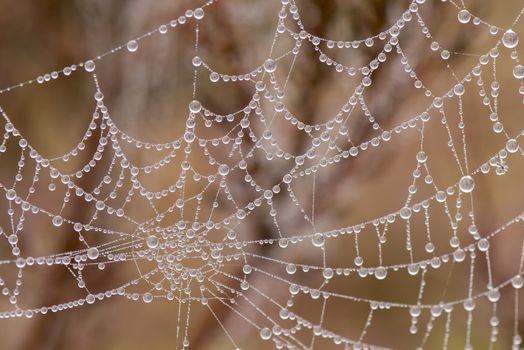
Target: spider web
190, 242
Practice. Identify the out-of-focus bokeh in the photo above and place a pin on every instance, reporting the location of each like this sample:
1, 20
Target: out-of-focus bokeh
148, 92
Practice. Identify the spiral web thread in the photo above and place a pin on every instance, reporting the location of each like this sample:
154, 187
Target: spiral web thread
199, 257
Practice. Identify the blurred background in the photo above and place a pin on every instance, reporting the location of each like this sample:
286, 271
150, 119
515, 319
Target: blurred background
148, 92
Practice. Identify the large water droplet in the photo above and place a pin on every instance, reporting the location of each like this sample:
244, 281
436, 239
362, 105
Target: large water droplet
438, 102
57, 221
459, 89
466, 184
195, 106
89, 65
214, 77
518, 71
196, 61
318, 240
510, 39
328, 273
148, 297
422, 157
405, 213
270, 65
20, 262
415, 311
517, 282
381, 273
464, 16
483, 244
469, 304
132, 46
198, 13
152, 242
92, 253
493, 295
265, 333
162, 29
10, 194
223, 169
512, 145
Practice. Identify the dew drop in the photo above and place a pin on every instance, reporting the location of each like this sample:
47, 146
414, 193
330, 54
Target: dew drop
241, 214
459, 255
265, 333
223, 169
260, 85
518, 71
247, 269
162, 29
415, 311
469, 304
438, 102
132, 46
214, 77
436, 310
422, 157
20, 262
464, 16
89, 66
152, 242
483, 244
57, 221
147, 297
466, 184
270, 65
493, 295
92, 253
512, 146
510, 39
328, 273
381, 273
318, 240
459, 89
454, 242
195, 106
196, 61
517, 340
100, 205
244, 285
198, 13
189, 136
405, 213
10, 194
12, 239
517, 282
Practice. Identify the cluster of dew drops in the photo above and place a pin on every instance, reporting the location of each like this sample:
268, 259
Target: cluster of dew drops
466, 183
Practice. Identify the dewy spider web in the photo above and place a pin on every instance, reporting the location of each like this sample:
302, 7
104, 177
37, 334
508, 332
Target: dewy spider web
193, 250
